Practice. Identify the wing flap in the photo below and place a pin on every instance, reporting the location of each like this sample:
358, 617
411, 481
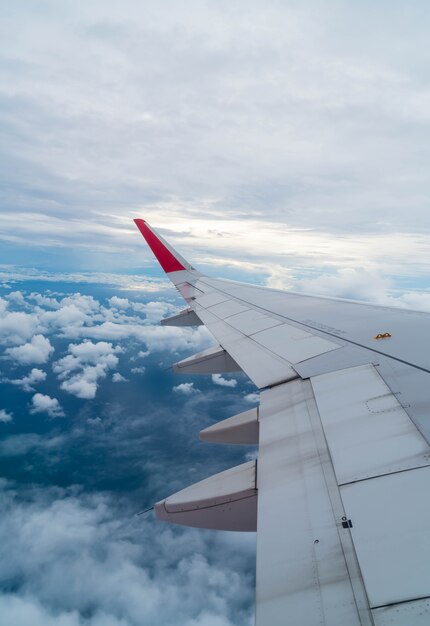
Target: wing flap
302, 572
390, 518
368, 431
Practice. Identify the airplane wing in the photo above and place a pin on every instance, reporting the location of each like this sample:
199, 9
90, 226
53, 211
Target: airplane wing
338, 495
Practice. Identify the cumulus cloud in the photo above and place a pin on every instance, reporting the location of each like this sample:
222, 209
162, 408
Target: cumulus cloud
118, 378
156, 338
119, 303
186, 388
16, 327
41, 403
16, 297
33, 378
155, 311
253, 398
45, 301
84, 366
5, 417
38, 350
65, 317
223, 382
138, 370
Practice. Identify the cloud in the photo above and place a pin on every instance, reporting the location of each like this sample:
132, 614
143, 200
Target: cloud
132, 282
155, 311
138, 370
33, 378
156, 338
363, 174
253, 398
46, 301
16, 327
5, 417
119, 303
78, 562
45, 404
20, 611
3, 306
217, 379
65, 317
84, 366
118, 378
16, 297
38, 350
186, 388
20, 445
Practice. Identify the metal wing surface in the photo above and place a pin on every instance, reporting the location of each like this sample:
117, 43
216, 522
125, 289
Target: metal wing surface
339, 493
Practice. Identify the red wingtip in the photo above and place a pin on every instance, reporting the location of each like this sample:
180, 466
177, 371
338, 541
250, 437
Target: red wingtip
167, 260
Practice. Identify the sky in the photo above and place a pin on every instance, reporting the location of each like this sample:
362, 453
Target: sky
283, 143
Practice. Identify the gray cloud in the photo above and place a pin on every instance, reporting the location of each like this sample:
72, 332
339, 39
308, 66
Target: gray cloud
73, 559
266, 118
5, 417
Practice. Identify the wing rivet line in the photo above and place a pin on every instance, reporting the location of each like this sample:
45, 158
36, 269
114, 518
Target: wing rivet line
382, 336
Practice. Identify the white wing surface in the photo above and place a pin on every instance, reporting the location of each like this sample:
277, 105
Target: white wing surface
339, 493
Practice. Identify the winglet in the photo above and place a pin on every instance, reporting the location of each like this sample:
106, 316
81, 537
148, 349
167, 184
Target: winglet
168, 258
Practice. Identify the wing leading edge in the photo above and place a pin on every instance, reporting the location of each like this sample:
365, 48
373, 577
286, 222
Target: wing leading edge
338, 495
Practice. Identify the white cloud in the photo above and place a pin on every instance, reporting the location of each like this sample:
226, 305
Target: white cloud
85, 303
17, 297
138, 370
252, 398
84, 366
101, 352
65, 317
45, 404
45, 301
156, 338
84, 385
223, 382
33, 378
186, 388
118, 378
5, 417
3, 306
155, 311
38, 350
16, 327
119, 303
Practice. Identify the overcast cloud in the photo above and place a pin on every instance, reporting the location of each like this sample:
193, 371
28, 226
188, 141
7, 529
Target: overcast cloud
262, 136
